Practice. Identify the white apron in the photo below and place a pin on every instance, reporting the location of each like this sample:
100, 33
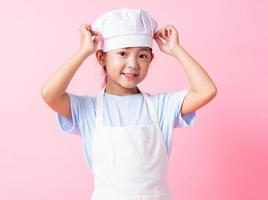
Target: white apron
129, 163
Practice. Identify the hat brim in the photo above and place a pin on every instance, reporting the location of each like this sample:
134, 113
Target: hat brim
123, 41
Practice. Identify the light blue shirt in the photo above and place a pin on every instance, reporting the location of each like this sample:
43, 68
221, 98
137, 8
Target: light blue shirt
128, 110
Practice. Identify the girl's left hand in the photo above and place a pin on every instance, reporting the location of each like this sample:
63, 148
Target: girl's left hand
167, 39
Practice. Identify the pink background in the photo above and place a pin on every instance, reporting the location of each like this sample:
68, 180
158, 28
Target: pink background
224, 156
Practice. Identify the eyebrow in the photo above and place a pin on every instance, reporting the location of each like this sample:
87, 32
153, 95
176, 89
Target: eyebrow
145, 49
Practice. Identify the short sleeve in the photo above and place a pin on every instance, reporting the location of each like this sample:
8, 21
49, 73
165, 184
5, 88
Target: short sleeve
78, 103
171, 109
183, 120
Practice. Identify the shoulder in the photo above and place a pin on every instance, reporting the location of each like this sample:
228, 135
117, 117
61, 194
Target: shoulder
86, 96
167, 98
82, 100
165, 95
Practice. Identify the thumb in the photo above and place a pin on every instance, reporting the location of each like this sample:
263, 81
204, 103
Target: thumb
98, 38
159, 42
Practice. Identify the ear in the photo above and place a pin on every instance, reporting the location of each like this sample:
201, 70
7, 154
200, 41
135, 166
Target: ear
152, 56
100, 55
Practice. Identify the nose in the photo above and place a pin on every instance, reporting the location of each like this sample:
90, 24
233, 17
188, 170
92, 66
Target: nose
132, 62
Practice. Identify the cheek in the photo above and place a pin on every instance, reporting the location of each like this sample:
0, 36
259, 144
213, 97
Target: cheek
143, 72
145, 68
112, 70
114, 63
115, 68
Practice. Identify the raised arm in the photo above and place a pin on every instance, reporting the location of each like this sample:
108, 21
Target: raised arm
202, 88
54, 90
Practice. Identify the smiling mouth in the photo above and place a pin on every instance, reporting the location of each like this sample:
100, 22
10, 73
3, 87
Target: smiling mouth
130, 74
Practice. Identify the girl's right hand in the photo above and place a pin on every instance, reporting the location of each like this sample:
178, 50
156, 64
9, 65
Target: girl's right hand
89, 39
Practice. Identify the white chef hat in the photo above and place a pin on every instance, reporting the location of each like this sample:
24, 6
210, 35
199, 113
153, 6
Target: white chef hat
125, 28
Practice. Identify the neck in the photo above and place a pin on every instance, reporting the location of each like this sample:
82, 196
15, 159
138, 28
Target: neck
122, 91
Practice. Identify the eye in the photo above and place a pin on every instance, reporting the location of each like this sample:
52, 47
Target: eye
122, 53
143, 56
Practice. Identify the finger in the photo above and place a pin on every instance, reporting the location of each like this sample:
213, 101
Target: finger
169, 31
169, 28
94, 32
164, 33
159, 42
172, 29
159, 34
82, 26
98, 38
88, 27
85, 27
156, 35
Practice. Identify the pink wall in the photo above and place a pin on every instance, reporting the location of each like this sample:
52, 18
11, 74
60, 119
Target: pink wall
224, 156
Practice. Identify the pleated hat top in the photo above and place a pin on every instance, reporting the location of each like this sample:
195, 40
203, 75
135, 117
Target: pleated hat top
125, 27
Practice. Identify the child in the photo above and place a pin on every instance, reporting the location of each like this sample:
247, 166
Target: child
127, 133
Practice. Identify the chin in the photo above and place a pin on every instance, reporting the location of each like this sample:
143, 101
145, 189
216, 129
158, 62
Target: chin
129, 86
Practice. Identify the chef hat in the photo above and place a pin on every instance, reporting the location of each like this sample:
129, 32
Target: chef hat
125, 28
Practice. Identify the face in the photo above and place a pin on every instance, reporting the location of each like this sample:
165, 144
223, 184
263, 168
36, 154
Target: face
126, 68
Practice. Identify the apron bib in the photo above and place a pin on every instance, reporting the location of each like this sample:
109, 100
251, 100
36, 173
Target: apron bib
129, 163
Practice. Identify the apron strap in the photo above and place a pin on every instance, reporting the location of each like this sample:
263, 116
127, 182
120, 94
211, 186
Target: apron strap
151, 108
100, 103
99, 109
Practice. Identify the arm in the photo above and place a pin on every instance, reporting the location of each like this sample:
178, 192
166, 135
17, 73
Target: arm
53, 91
202, 88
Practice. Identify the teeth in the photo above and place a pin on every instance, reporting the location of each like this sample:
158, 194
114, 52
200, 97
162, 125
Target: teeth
130, 74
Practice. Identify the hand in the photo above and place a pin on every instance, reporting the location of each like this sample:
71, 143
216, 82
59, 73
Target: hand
89, 39
167, 39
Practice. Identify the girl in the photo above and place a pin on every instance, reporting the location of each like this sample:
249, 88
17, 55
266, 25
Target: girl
126, 132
